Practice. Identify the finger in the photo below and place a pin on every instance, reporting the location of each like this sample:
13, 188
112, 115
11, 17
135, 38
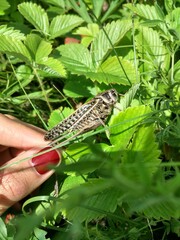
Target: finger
18, 180
16, 134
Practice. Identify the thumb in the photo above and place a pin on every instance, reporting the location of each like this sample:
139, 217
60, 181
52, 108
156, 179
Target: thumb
24, 174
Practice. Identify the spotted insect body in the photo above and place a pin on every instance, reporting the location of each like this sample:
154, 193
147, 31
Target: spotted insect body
88, 117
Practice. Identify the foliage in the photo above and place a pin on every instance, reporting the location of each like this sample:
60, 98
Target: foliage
120, 181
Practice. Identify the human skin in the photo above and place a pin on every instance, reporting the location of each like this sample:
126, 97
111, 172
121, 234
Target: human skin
20, 171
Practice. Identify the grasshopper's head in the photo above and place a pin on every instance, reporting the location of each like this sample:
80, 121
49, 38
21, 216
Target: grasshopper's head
109, 97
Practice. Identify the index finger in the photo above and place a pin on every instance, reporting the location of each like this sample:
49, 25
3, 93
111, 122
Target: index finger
14, 133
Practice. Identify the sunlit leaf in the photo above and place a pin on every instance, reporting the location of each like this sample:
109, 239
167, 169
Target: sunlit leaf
109, 36
52, 66
124, 124
38, 47
14, 47
76, 57
36, 15
151, 49
63, 24
11, 32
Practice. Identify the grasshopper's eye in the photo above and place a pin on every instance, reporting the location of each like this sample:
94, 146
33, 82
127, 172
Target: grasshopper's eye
114, 95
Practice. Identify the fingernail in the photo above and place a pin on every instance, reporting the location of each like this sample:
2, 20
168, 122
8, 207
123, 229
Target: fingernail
43, 162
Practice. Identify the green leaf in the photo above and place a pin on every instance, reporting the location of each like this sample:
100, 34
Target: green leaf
95, 207
4, 6
75, 151
113, 5
63, 24
124, 124
58, 3
88, 33
36, 15
76, 58
79, 86
91, 200
110, 71
173, 22
107, 38
81, 9
52, 66
144, 149
151, 49
11, 32
14, 47
175, 226
38, 47
3, 232
176, 72
150, 13
40, 234
169, 5
128, 96
97, 7
162, 202
71, 182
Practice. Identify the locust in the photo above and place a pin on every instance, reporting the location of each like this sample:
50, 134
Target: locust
89, 116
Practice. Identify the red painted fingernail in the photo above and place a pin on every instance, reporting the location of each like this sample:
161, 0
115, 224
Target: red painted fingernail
43, 162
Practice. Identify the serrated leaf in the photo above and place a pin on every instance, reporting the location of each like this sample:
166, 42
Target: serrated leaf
109, 36
63, 24
150, 13
14, 47
52, 66
173, 21
76, 58
161, 202
95, 207
38, 47
78, 86
151, 49
81, 9
96, 198
144, 149
123, 125
43, 50
36, 15
91, 30
11, 32
128, 96
97, 7
111, 71
88, 33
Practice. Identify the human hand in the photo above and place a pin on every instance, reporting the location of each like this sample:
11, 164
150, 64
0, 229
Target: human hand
19, 141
